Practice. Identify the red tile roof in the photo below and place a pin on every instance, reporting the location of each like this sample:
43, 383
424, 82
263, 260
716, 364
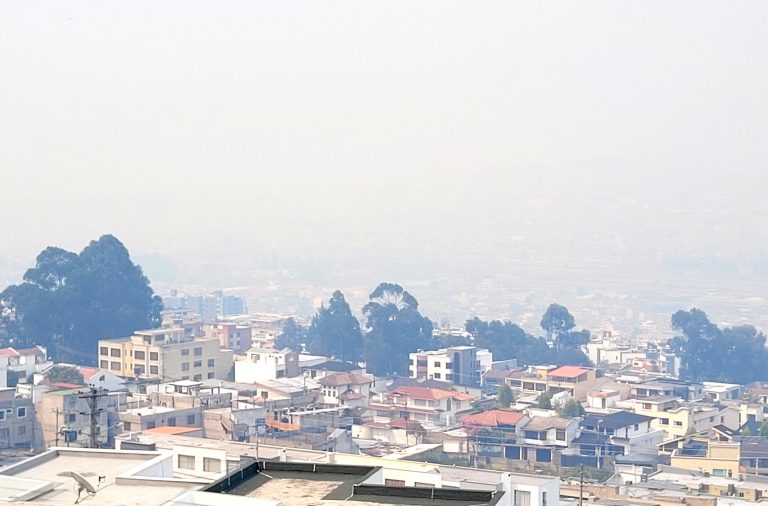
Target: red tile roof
568, 371
431, 393
88, 372
345, 378
30, 351
494, 418
8, 352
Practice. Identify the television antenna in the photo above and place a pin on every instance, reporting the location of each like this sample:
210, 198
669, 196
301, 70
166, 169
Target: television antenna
83, 485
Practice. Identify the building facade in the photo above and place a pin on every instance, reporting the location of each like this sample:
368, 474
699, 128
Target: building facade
166, 354
461, 365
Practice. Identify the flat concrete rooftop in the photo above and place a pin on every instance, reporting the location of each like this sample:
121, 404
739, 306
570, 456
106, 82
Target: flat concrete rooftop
56, 465
305, 484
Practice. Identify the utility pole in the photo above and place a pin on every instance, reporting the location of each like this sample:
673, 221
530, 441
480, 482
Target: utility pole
581, 486
92, 399
57, 426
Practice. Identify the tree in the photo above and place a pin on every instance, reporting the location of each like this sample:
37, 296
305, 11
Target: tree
394, 328
695, 344
292, 336
733, 354
334, 331
572, 408
745, 432
69, 301
556, 320
545, 401
764, 429
65, 374
507, 340
505, 397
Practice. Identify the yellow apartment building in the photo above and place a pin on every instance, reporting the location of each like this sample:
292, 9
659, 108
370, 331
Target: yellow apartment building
166, 354
720, 459
677, 418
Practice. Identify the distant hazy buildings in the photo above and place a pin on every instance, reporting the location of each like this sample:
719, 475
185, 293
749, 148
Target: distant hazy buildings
462, 365
167, 354
209, 307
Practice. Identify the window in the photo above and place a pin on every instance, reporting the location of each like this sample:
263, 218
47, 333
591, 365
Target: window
186, 461
437, 375
102, 377
646, 405
185, 352
664, 421
449, 377
115, 352
153, 369
127, 426
115, 366
210, 375
211, 362
71, 418
185, 377
711, 418
2, 415
543, 499
171, 421
211, 465
5, 434
139, 355
522, 498
103, 364
190, 419
21, 412
198, 351
394, 483
197, 377
151, 424
560, 434
637, 426
198, 363
185, 366
153, 356
103, 350
437, 364
678, 423
421, 484
448, 365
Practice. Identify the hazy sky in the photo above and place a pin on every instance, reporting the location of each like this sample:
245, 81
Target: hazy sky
360, 130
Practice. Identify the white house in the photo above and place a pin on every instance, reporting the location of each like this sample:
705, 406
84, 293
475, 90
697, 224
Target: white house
349, 389
261, 364
432, 407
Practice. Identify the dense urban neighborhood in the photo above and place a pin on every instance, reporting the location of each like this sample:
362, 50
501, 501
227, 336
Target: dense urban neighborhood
571, 415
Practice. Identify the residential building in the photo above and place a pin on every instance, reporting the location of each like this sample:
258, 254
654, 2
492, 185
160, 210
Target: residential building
461, 365
347, 389
209, 307
541, 437
261, 364
629, 430
67, 416
18, 366
150, 417
574, 380
721, 392
677, 418
18, 422
165, 354
318, 370
431, 407
231, 335
714, 457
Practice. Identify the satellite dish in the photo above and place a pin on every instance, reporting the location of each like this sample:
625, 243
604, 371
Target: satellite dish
82, 484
